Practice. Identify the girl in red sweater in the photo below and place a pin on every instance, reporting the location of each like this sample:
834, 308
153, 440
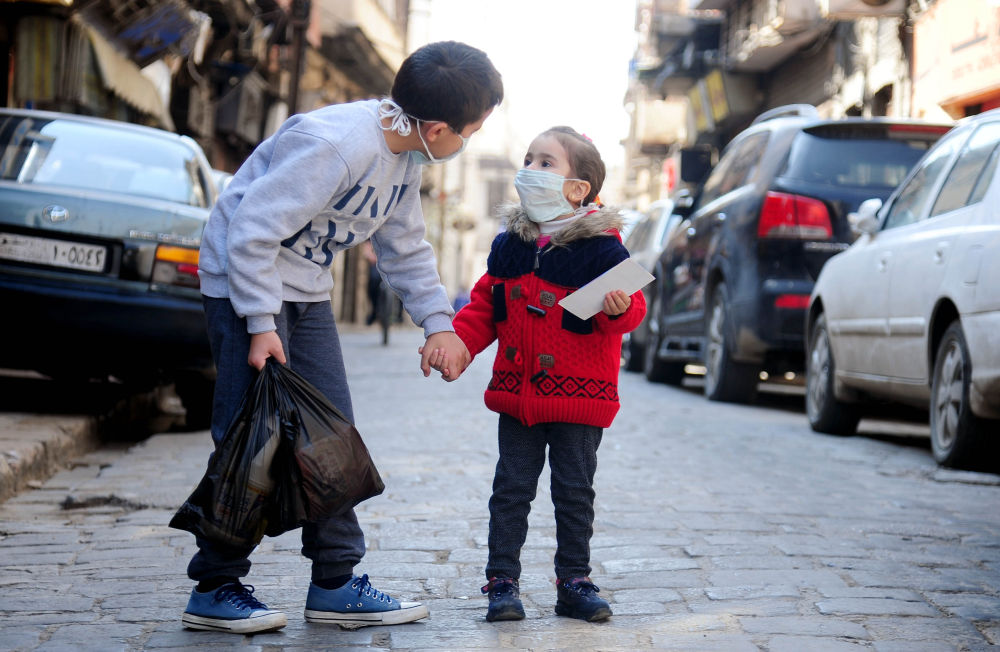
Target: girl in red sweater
555, 377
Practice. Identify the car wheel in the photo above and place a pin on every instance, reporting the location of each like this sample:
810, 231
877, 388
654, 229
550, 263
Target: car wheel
826, 414
196, 392
958, 437
657, 370
725, 379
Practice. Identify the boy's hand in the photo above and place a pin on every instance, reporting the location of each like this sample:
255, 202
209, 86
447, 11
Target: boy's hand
616, 302
448, 354
263, 346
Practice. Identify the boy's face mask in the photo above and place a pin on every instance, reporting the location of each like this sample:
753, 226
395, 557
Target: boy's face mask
542, 195
423, 159
400, 123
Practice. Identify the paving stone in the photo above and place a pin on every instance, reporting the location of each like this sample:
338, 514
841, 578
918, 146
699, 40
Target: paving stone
804, 627
813, 644
875, 606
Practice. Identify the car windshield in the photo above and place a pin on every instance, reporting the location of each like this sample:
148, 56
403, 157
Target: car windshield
877, 156
96, 157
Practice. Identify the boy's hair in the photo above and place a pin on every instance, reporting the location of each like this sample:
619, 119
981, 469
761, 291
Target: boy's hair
583, 158
448, 81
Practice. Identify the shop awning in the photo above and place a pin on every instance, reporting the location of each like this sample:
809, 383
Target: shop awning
123, 78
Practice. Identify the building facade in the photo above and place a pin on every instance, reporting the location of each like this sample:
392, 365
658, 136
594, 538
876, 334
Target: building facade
705, 68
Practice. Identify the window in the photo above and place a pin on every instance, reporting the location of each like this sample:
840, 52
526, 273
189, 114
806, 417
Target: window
96, 157
911, 201
735, 168
969, 169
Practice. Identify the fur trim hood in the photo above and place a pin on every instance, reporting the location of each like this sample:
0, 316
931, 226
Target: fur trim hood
599, 223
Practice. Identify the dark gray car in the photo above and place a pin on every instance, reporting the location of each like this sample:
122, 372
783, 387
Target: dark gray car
100, 223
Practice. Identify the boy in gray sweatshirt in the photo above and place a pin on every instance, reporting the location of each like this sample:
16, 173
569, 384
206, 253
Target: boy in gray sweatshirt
326, 181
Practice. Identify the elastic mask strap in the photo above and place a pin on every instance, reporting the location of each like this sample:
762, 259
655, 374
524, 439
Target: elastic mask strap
400, 121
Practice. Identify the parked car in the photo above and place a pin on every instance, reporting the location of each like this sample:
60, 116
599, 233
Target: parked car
100, 223
734, 279
644, 244
911, 312
222, 179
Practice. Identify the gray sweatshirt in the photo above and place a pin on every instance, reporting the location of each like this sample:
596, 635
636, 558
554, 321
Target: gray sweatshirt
324, 182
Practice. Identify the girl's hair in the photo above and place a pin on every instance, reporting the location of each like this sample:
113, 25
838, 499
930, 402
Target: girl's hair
583, 158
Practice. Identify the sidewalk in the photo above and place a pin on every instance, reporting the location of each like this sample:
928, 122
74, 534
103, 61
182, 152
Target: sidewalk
719, 527
34, 446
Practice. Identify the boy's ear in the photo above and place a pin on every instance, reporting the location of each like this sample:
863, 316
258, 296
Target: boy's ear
435, 129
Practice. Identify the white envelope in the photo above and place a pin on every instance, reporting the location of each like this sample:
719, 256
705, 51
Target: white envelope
627, 275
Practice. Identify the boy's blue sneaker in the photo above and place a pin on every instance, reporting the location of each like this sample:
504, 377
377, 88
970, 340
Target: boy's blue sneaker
505, 602
577, 598
231, 608
358, 604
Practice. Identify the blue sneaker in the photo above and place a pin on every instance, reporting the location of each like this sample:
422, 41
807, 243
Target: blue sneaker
358, 604
505, 599
577, 598
231, 608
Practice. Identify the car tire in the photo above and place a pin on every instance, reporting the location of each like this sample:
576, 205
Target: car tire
657, 370
725, 379
826, 414
196, 392
958, 437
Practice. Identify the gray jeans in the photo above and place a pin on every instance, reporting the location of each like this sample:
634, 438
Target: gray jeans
572, 463
312, 348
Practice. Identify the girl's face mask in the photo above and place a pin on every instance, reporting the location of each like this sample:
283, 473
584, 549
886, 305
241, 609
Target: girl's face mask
542, 195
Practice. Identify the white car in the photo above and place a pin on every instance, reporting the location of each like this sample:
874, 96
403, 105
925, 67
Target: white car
911, 311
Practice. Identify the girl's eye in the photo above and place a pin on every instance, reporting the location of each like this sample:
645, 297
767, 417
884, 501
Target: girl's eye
546, 164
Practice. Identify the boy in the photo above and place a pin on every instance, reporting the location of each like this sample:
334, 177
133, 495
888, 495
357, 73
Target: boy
326, 181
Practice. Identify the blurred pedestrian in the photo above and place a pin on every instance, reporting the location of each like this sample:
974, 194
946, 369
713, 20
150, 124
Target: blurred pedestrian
328, 180
555, 376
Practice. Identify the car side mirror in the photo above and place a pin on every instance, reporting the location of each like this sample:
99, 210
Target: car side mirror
865, 221
683, 202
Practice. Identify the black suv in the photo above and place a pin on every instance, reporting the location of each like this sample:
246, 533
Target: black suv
734, 279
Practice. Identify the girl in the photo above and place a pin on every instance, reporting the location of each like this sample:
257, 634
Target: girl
555, 375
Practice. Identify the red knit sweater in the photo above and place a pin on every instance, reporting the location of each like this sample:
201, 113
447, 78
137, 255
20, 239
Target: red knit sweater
550, 365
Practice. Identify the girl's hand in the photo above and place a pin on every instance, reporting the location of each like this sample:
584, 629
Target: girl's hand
616, 303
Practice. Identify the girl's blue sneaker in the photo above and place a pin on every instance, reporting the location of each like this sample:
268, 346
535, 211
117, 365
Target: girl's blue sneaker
505, 599
358, 604
231, 608
577, 598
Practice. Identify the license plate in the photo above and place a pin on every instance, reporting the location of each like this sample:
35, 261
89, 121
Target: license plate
48, 251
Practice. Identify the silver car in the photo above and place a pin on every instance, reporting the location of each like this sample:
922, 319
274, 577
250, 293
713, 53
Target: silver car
911, 311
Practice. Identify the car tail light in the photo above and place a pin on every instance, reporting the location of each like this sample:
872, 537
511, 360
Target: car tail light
176, 266
793, 216
799, 301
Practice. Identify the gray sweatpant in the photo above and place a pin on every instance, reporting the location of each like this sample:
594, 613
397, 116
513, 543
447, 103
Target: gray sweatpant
572, 463
312, 348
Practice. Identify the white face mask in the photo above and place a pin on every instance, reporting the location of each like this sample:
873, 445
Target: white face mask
542, 195
401, 125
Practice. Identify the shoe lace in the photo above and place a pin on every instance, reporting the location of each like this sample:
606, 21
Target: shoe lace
498, 586
240, 595
583, 586
365, 587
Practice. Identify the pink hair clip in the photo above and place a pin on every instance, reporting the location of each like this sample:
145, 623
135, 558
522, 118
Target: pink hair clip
587, 138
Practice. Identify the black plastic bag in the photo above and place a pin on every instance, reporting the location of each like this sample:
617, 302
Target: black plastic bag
289, 457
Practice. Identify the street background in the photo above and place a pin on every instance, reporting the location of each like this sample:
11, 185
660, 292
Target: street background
719, 527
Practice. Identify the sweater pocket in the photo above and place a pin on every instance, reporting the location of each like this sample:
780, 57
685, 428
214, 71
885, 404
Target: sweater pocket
499, 302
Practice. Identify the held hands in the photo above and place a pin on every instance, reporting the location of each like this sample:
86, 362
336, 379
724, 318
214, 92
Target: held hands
263, 346
444, 352
616, 302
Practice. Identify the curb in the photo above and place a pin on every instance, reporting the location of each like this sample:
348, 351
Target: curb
33, 447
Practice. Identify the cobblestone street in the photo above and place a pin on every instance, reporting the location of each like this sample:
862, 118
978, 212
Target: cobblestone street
719, 527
